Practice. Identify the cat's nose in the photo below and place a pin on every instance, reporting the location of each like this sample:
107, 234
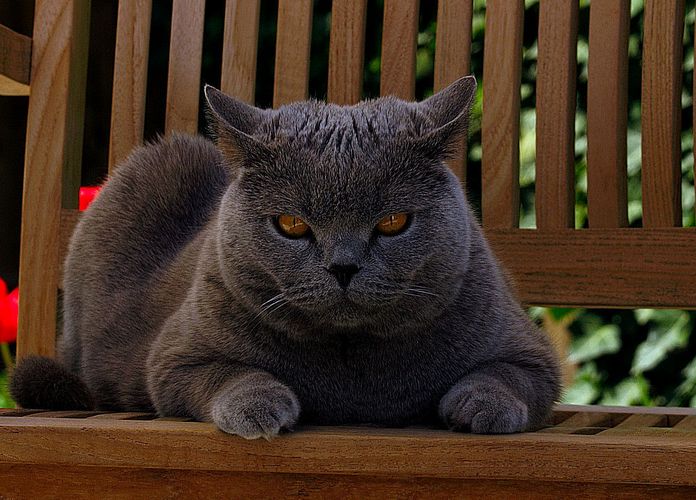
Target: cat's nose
343, 273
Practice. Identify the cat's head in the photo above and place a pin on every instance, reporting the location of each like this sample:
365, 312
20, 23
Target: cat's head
344, 218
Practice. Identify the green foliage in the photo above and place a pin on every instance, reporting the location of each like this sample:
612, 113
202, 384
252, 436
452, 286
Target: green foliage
5, 398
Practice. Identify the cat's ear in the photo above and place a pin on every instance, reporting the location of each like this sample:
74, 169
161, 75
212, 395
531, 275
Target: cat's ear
448, 111
233, 123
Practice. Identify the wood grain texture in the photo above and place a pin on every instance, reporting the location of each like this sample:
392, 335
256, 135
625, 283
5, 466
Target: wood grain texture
8, 86
500, 161
687, 423
663, 28
130, 78
555, 114
74, 482
399, 37
15, 61
396, 454
185, 53
452, 58
240, 44
54, 134
346, 51
607, 112
623, 268
293, 43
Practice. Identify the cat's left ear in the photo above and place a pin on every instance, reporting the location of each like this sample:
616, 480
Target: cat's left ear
234, 124
448, 110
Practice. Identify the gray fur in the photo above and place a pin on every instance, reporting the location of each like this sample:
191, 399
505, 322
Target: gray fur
182, 296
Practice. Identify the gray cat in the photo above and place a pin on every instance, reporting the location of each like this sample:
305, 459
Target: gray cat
321, 264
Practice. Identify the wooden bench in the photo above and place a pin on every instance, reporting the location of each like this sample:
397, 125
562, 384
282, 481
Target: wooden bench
585, 451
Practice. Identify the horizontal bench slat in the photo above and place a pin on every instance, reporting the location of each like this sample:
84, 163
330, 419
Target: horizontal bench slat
622, 268
398, 453
19, 481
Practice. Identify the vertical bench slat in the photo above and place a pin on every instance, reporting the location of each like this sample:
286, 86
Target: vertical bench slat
53, 153
501, 113
240, 44
130, 78
293, 41
555, 98
399, 37
346, 51
661, 112
185, 53
452, 57
607, 91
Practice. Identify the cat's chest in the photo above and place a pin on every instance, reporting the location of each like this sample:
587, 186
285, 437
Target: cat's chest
353, 382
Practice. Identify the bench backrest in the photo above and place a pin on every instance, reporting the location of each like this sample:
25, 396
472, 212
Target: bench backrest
608, 265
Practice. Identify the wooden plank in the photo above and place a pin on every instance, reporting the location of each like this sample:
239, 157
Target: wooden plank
661, 112
62, 414
644, 420
293, 43
15, 61
129, 415
598, 418
687, 423
61, 482
564, 410
600, 267
240, 44
346, 51
555, 103
501, 113
399, 38
607, 112
54, 134
452, 58
130, 78
185, 53
637, 425
10, 87
16, 412
393, 453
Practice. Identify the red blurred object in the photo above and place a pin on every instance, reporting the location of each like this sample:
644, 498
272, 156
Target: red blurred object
9, 313
87, 195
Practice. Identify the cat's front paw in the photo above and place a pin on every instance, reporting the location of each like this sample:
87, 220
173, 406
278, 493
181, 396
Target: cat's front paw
483, 408
254, 410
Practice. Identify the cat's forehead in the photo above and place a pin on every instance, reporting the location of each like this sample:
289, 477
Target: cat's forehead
333, 128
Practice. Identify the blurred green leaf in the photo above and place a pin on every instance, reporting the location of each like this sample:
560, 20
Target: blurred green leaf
585, 388
662, 339
595, 343
630, 391
5, 398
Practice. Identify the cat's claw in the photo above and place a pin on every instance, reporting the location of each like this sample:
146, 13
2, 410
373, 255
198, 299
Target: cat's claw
256, 412
483, 408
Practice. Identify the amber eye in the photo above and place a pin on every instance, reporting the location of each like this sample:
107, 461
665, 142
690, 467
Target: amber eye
392, 224
292, 226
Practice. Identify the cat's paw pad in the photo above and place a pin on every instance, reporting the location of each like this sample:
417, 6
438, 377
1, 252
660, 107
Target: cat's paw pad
483, 409
256, 412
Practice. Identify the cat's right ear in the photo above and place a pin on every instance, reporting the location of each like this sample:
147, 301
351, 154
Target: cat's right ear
234, 123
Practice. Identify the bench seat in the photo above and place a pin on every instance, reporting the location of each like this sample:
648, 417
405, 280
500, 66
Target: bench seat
583, 451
